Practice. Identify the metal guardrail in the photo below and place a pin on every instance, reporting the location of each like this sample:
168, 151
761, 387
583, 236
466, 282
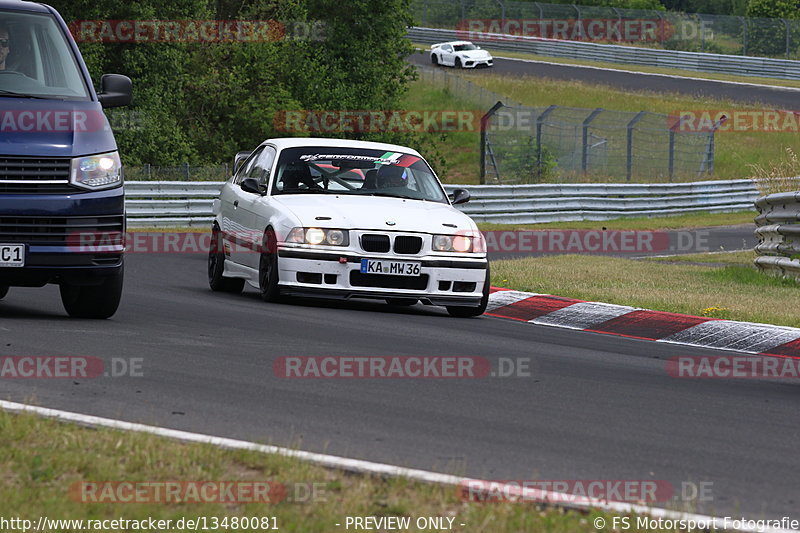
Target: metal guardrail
778, 232
188, 204
629, 55
668, 30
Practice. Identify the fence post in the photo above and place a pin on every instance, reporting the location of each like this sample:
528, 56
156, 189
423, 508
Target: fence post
484, 126
580, 24
425, 14
629, 153
147, 170
708, 163
463, 10
671, 153
585, 142
186, 170
539, 122
744, 35
788, 38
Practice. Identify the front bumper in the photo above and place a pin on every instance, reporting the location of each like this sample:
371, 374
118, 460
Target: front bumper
456, 281
52, 227
480, 63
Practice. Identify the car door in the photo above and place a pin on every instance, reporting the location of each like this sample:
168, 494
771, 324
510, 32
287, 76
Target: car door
233, 216
255, 208
448, 57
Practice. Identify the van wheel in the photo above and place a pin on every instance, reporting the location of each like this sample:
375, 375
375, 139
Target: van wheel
93, 301
268, 268
3, 291
216, 266
467, 312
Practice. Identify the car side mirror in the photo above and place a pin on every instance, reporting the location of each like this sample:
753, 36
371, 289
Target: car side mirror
116, 90
251, 185
460, 196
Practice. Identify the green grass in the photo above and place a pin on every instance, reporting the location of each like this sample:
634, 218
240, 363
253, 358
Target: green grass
736, 289
735, 152
694, 220
461, 149
41, 459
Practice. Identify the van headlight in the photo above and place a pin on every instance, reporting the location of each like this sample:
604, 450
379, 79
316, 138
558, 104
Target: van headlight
96, 172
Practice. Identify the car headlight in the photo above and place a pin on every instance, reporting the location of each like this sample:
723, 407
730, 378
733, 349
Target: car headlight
95, 172
459, 243
330, 237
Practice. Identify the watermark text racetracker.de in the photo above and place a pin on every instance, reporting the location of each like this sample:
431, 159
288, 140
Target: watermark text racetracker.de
733, 367
69, 367
631, 242
402, 366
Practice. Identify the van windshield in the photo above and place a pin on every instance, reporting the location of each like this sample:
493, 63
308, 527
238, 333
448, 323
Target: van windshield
36, 59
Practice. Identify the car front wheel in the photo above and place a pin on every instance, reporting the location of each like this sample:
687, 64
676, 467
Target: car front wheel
467, 312
268, 268
93, 301
434, 59
458, 63
216, 266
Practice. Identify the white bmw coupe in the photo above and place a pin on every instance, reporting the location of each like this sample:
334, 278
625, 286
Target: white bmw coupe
346, 219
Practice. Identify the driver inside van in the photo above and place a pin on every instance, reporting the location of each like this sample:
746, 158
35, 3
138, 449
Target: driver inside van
5, 45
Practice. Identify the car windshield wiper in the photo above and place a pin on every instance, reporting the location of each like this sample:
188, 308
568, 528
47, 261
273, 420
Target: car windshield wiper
12, 94
389, 195
307, 191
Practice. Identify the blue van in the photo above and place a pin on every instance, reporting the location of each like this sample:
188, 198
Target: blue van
62, 210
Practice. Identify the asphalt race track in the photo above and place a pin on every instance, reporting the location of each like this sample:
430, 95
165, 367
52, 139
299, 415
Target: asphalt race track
596, 407
775, 97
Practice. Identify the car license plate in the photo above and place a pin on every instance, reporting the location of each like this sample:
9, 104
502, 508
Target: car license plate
12, 255
394, 268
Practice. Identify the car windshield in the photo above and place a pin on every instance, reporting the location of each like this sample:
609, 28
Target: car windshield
355, 171
36, 59
465, 47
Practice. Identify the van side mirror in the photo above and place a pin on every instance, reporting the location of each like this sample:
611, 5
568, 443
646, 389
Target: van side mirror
116, 90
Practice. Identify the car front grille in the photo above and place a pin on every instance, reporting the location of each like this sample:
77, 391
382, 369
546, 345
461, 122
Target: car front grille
60, 231
419, 283
375, 243
42, 175
404, 244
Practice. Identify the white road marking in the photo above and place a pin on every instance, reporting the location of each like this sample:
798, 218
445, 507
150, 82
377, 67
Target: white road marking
355, 465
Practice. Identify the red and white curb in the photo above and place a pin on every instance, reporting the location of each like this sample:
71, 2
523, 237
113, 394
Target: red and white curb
547, 310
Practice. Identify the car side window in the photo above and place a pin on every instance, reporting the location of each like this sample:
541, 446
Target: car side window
448, 48
246, 167
263, 167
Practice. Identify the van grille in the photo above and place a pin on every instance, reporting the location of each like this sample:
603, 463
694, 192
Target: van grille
41, 175
56, 230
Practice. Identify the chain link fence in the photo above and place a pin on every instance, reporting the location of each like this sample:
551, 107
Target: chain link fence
523, 144
692, 32
184, 172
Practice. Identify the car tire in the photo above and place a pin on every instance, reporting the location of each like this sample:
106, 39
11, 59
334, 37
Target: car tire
268, 268
404, 302
3, 291
458, 63
434, 60
468, 312
93, 301
216, 266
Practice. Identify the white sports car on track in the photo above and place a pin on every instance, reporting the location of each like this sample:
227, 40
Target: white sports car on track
460, 54
346, 219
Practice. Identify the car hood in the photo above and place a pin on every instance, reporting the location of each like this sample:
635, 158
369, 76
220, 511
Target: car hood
474, 54
53, 128
373, 213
